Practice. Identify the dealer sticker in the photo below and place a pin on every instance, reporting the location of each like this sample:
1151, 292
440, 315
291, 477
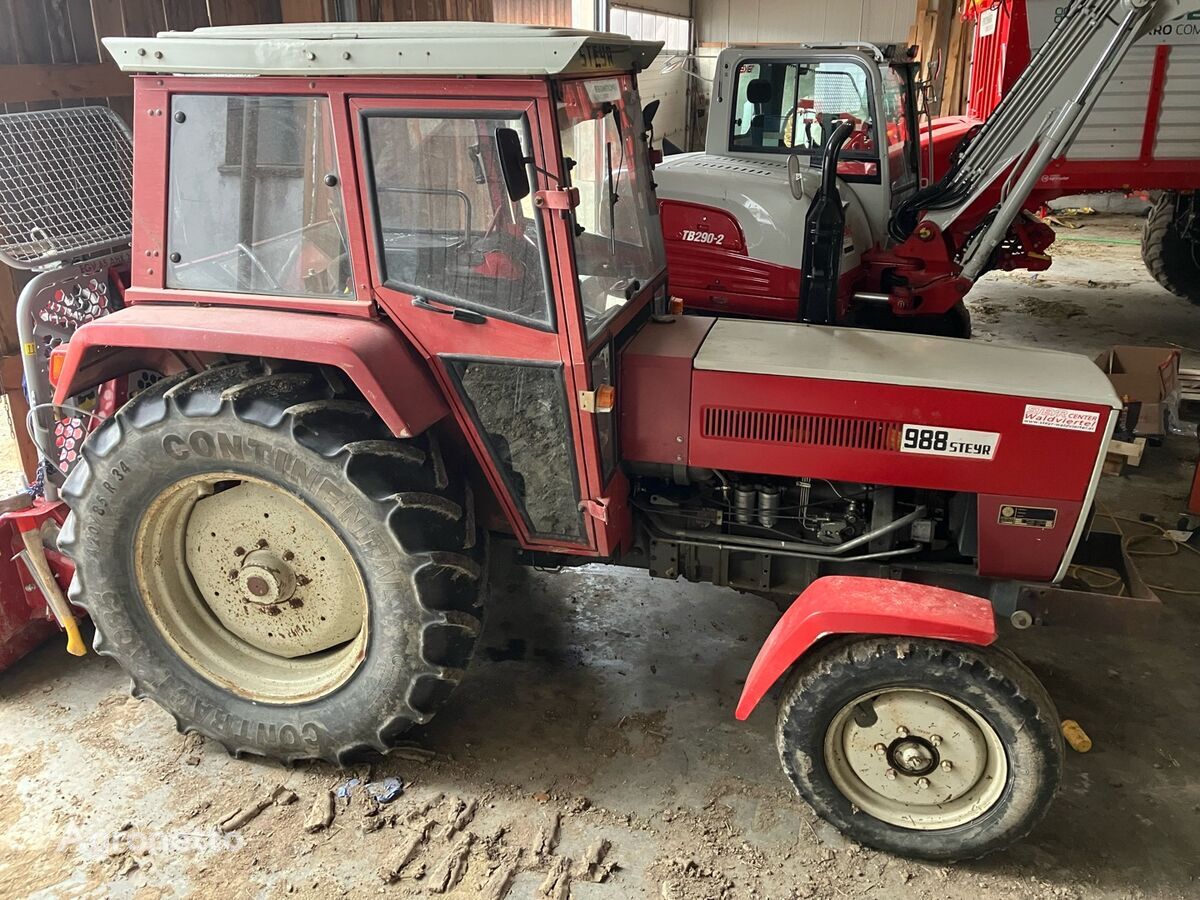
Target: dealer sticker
959, 442
1057, 417
603, 90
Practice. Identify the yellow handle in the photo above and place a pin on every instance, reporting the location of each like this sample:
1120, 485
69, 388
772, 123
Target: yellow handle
75, 644
35, 553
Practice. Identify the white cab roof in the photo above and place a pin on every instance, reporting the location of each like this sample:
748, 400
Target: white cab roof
886, 357
382, 48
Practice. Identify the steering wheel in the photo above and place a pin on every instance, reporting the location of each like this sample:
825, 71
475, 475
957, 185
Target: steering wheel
860, 138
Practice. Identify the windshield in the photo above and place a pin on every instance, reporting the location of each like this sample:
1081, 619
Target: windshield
618, 244
792, 107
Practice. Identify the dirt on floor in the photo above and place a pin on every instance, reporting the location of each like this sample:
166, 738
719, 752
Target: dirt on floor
592, 751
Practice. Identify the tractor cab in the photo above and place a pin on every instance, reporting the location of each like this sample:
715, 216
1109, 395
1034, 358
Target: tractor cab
486, 187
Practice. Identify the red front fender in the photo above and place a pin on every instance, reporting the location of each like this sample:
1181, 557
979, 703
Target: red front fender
842, 604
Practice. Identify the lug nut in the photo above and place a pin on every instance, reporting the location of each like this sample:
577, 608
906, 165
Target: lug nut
947, 765
935, 739
902, 731
880, 749
922, 783
890, 774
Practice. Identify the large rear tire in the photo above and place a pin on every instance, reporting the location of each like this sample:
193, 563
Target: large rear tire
921, 748
271, 566
1171, 245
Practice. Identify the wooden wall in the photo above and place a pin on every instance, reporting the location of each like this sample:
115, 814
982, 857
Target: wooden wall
533, 12
51, 57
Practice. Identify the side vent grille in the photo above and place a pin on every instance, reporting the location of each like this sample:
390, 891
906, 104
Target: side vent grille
764, 426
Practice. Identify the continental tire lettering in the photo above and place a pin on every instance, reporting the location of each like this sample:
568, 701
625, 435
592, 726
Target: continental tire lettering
175, 446
229, 446
265, 734
202, 444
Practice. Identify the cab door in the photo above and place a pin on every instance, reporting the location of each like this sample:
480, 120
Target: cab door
472, 279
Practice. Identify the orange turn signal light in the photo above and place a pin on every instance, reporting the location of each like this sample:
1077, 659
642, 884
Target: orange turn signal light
606, 398
58, 359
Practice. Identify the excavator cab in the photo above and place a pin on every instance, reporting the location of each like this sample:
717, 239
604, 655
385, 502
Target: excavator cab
775, 110
791, 103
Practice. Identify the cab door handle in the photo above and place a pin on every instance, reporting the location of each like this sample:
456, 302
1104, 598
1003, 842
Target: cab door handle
461, 315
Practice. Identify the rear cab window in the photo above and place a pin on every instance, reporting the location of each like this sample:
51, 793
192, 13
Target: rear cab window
253, 196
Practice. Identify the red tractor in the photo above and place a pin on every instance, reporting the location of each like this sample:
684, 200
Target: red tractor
396, 296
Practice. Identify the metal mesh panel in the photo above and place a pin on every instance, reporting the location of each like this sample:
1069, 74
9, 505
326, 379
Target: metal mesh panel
66, 182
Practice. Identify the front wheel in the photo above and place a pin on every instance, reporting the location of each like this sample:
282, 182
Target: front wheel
921, 748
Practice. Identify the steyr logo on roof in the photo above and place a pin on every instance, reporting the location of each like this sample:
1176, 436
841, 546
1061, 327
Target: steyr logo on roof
959, 442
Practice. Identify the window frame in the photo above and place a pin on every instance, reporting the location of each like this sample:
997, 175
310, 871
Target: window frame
872, 107
274, 169
550, 324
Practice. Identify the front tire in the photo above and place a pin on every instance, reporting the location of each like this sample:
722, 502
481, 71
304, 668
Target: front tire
921, 748
271, 566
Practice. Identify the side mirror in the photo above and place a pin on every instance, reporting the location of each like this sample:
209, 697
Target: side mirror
795, 182
649, 111
513, 164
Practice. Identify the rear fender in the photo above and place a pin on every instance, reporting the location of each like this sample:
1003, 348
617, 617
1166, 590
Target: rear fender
375, 356
841, 604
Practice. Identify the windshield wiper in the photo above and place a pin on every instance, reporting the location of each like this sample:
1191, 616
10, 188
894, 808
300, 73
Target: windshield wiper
612, 200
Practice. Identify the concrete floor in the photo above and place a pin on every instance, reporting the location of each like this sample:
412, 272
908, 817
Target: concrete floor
604, 700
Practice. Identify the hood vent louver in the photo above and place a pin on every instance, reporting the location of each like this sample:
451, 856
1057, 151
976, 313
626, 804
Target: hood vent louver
799, 429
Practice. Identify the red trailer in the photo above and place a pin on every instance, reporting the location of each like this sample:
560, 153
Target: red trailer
1143, 133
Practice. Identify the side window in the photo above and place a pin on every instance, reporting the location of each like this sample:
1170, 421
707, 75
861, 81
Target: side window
446, 228
793, 108
254, 204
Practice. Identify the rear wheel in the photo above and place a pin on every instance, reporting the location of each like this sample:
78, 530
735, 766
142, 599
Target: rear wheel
271, 565
1171, 245
921, 748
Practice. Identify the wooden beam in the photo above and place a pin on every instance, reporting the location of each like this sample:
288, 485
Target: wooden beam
30, 82
10, 385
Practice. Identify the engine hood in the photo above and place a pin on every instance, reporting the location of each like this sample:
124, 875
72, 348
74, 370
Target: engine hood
757, 194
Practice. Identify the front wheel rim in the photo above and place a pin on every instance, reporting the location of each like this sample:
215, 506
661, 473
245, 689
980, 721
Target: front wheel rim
251, 587
916, 759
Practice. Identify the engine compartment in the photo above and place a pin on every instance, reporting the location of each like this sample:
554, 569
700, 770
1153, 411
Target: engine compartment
813, 518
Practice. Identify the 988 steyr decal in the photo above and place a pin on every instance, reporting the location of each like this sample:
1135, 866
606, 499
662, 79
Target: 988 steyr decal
959, 442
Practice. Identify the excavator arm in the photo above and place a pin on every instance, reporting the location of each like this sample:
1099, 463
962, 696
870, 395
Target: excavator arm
1001, 162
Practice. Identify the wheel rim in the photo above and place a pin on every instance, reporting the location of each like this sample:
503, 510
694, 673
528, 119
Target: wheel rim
915, 759
252, 587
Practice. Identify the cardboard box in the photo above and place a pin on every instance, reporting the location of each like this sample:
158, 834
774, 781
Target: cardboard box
1147, 377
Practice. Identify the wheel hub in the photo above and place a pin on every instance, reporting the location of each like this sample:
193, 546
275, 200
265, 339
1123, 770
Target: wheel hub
915, 758
266, 578
271, 571
252, 587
